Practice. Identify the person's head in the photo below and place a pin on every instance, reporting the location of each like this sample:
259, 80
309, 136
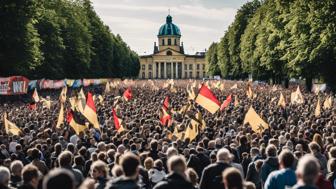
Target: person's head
314, 147
65, 159
286, 159
16, 168
59, 178
149, 163
307, 170
224, 155
171, 151
98, 169
232, 178
177, 164
35, 154
130, 165
117, 171
30, 175
254, 152
192, 176
249, 185
4, 176
271, 150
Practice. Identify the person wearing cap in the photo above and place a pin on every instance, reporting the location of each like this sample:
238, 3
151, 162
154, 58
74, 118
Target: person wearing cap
212, 174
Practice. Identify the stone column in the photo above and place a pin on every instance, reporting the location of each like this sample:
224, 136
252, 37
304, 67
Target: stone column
159, 73
176, 69
172, 70
165, 70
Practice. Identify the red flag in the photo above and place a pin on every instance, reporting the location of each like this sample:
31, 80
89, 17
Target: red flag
226, 102
166, 103
207, 99
90, 111
165, 118
128, 94
117, 121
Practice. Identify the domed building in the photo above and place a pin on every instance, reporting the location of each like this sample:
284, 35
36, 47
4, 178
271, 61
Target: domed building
168, 60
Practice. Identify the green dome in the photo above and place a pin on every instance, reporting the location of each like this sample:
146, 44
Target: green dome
169, 28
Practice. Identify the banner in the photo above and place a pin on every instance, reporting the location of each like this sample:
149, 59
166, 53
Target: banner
13, 85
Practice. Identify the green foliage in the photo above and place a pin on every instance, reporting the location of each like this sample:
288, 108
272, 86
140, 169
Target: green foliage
61, 39
212, 59
279, 39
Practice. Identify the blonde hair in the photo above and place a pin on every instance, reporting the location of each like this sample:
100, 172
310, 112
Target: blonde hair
100, 166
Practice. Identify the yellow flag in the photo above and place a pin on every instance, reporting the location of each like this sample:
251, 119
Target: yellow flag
46, 102
60, 119
235, 86
258, 125
184, 109
282, 101
296, 97
191, 93
107, 87
10, 127
236, 102
62, 97
273, 99
81, 101
191, 131
249, 92
318, 108
327, 103
177, 134
200, 121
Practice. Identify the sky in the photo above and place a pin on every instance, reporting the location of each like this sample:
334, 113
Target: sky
138, 21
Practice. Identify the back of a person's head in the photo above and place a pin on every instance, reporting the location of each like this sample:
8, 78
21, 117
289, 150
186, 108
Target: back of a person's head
286, 158
271, 150
35, 153
308, 169
29, 172
232, 178
171, 151
249, 185
176, 164
314, 147
59, 178
4, 176
224, 155
130, 164
16, 167
65, 159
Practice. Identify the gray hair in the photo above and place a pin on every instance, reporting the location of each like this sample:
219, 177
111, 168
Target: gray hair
4, 175
224, 154
308, 167
177, 163
16, 167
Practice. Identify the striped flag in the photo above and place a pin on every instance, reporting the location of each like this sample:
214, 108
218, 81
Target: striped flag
226, 102
76, 122
90, 111
207, 99
117, 121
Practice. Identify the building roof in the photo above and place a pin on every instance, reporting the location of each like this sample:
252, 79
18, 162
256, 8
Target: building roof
169, 28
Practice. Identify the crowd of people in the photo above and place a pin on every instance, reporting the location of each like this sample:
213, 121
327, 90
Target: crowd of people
297, 151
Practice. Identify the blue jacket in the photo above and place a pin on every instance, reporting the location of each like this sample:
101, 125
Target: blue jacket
280, 179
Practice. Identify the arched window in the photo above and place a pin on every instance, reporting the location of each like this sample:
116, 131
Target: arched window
169, 53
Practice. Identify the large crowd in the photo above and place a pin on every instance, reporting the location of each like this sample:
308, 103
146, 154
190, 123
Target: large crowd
297, 151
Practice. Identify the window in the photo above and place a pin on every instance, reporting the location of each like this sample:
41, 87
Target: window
163, 42
197, 75
190, 75
198, 66
185, 66
143, 75
169, 53
190, 66
169, 41
175, 42
185, 74
143, 66
203, 65
150, 66
150, 75
203, 74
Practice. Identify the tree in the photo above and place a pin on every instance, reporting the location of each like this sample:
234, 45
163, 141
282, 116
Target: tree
212, 59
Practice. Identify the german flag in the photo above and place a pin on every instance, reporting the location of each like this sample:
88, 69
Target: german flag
90, 111
207, 99
166, 103
127, 94
77, 122
35, 96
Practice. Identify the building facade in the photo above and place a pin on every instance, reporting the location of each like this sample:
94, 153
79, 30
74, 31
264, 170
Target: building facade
168, 60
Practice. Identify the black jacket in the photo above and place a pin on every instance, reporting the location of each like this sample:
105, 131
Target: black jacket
174, 181
252, 175
122, 183
212, 176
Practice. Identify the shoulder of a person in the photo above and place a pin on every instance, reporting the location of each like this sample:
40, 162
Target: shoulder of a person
161, 185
